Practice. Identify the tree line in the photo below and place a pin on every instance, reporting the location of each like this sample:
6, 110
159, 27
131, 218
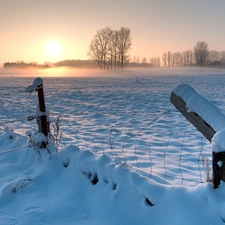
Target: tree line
137, 62
109, 49
64, 63
24, 65
199, 56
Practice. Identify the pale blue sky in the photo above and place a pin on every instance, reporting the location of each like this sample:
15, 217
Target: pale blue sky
156, 26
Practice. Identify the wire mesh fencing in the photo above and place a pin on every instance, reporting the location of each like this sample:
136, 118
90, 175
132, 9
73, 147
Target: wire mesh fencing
169, 156
150, 146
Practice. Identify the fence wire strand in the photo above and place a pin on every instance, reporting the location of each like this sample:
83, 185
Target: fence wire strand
13, 150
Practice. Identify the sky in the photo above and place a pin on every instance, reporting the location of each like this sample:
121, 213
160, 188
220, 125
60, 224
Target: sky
28, 27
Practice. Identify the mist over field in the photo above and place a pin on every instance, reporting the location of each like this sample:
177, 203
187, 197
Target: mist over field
135, 72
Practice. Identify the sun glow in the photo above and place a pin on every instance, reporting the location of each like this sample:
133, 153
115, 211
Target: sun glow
53, 49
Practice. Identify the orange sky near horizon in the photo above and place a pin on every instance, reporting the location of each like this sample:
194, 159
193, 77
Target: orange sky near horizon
156, 26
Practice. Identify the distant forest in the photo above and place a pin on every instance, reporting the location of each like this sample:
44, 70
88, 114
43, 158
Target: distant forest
46, 65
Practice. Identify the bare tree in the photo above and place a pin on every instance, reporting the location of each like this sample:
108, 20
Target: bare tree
138, 60
109, 48
214, 57
99, 47
124, 45
169, 58
155, 62
201, 53
113, 50
191, 57
172, 59
164, 59
187, 57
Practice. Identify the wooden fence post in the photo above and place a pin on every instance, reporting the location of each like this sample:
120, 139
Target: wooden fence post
205, 124
42, 120
218, 158
195, 119
218, 162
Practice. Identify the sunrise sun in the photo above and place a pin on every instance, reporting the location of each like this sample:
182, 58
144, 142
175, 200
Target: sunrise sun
53, 49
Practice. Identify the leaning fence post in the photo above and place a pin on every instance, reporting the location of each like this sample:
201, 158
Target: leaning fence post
218, 158
210, 121
41, 112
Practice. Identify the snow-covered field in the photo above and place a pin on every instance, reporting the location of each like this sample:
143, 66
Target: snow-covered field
126, 155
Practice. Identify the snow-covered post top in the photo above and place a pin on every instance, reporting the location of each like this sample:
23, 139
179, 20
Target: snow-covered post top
201, 106
218, 141
41, 116
37, 84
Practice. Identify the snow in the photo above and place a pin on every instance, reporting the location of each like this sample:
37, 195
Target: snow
218, 143
39, 113
37, 83
220, 163
208, 111
84, 182
198, 104
60, 190
40, 137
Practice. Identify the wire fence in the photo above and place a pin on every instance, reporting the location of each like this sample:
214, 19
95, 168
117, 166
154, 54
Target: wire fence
153, 148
